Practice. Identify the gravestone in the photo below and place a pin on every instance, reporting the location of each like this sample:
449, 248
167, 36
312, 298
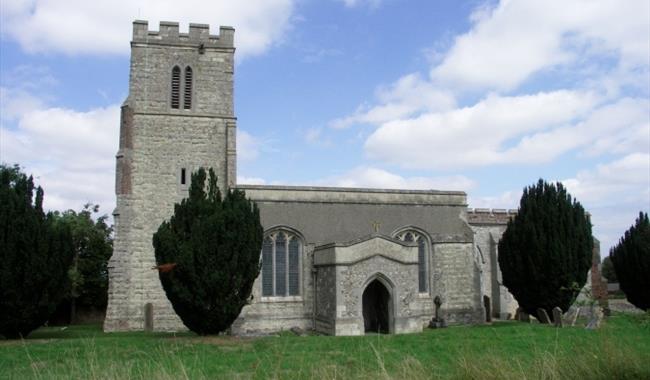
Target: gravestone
571, 316
557, 317
437, 322
542, 316
522, 316
298, 331
595, 319
148, 317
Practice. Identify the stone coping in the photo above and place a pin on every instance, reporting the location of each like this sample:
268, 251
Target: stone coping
313, 194
366, 248
365, 238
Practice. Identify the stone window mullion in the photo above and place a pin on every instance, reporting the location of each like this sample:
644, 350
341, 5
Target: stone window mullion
273, 266
286, 260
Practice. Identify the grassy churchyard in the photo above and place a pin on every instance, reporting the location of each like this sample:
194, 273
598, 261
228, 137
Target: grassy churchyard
620, 349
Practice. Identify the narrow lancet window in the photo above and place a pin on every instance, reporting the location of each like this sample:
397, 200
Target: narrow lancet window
280, 265
422, 265
176, 86
187, 90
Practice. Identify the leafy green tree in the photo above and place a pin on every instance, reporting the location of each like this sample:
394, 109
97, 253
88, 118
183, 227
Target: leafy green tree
93, 244
208, 255
545, 252
631, 259
607, 270
35, 254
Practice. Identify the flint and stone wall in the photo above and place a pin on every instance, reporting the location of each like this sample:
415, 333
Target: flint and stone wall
392, 262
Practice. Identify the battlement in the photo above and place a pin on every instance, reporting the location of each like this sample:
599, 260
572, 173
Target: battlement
490, 216
169, 34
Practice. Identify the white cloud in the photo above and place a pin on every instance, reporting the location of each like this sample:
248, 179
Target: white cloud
359, 3
248, 147
517, 39
613, 193
370, 177
104, 27
598, 50
506, 200
492, 131
407, 96
621, 181
250, 181
17, 102
70, 153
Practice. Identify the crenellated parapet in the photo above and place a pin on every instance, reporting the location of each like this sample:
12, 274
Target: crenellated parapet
169, 34
496, 216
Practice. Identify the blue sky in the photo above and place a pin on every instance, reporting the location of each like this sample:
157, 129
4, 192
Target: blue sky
480, 96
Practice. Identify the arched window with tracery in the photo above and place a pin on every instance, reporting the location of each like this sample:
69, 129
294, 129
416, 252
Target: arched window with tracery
423, 250
176, 87
187, 89
281, 253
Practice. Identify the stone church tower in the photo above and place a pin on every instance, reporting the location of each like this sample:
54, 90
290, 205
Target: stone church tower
178, 117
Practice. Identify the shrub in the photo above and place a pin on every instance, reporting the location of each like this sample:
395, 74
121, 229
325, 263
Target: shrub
35, 255
545, 252
631, 259
208, 255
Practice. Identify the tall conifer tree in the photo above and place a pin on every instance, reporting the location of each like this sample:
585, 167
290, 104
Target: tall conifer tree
35, 254
545, 252
208, 255
631, 259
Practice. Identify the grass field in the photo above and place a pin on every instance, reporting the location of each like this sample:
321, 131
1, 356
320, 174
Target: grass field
506, 350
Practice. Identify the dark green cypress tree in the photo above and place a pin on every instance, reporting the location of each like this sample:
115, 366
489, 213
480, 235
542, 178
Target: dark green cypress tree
545, 252
35, 254
631, 259
208, 255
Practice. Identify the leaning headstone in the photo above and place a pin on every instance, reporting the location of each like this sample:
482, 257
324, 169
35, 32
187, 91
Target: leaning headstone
571, 316
595, 319
523, 316
542, 316
557, 317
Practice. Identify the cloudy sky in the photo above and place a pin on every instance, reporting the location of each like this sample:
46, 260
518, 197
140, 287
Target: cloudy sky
480, 96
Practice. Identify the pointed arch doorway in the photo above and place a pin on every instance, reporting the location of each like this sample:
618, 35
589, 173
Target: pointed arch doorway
377, 310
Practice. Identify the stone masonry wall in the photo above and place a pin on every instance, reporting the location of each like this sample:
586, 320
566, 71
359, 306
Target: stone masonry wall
488, 226
456, 279
156, 142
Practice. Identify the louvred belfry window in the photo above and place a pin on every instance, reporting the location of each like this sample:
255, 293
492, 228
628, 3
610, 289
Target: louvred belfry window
176, 87
187, 90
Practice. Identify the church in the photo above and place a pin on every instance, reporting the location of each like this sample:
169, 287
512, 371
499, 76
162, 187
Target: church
340, 261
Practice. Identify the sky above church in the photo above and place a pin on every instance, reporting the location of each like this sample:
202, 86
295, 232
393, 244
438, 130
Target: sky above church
481, 96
